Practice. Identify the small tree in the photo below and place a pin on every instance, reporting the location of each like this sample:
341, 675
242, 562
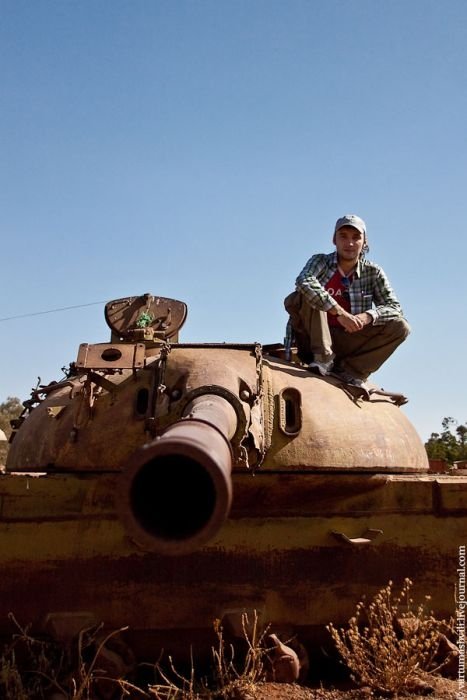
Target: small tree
9, 409
461, 430
447, 444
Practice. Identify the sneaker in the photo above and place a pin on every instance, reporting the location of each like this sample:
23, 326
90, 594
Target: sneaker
322, 368
348, 378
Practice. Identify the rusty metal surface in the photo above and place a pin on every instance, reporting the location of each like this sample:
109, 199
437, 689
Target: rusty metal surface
339, 432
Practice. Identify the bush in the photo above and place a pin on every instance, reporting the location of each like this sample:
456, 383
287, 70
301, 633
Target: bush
388, 645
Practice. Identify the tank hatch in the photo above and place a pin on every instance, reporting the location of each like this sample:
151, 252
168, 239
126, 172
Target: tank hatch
145, 317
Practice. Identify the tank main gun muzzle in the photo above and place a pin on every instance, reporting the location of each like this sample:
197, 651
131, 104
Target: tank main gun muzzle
177, 489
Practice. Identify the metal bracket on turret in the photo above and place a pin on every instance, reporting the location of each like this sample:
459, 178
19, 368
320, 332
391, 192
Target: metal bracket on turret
111, 356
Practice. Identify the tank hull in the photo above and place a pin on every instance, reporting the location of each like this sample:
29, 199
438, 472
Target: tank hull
65, 552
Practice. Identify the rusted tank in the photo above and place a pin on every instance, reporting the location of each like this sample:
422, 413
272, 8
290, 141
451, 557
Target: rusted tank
163, 485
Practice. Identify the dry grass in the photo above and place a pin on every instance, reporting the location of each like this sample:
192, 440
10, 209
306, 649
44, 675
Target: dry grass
34, 669
389, 645
230, 680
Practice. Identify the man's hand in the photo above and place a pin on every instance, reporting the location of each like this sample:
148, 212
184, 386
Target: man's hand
353, 324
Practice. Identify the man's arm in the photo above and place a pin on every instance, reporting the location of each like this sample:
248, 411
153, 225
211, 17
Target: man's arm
387, 306
308, 284
350, 322
320, 267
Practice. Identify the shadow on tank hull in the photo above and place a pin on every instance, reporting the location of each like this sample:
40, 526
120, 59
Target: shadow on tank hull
164, 485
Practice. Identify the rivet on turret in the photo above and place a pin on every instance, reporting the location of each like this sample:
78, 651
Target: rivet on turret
245, 395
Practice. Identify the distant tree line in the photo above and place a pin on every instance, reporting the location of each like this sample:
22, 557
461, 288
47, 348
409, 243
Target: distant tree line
450, 444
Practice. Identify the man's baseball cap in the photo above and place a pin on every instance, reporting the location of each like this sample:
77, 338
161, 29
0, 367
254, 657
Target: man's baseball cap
351, 220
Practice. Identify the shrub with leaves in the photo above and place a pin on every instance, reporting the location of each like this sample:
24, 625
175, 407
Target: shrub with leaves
389, 644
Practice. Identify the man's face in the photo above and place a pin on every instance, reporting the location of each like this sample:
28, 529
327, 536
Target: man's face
349, 243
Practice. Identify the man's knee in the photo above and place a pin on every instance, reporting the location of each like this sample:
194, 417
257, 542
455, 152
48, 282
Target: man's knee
292, 303
398, 328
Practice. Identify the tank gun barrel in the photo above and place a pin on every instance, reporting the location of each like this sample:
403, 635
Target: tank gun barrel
177, 489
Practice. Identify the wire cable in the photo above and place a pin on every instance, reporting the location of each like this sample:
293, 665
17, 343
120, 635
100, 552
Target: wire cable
52, 311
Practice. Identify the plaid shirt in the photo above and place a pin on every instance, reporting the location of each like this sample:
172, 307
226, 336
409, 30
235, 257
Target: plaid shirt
369, 291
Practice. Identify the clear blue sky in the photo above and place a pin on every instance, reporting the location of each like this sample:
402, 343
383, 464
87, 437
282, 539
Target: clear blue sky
204, 149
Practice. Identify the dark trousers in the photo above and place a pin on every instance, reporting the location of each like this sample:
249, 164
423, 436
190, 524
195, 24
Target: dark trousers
359, 353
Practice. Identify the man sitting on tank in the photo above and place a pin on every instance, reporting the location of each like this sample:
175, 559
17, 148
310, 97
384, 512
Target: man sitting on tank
344, 316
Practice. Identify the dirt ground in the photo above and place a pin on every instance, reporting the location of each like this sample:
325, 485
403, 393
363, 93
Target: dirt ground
443, 689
